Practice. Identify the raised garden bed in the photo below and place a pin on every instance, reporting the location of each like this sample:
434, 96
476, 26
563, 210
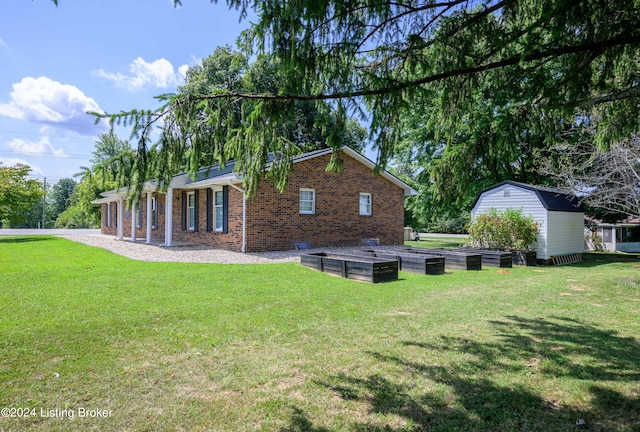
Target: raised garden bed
525, 258
413, 263
357, 267
454, 258
493, 258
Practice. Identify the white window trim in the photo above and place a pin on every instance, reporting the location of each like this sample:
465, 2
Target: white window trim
191, 209
313, 201
214, 209
370, 205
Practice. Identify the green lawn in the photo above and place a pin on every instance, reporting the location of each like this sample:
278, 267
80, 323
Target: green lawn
170, 346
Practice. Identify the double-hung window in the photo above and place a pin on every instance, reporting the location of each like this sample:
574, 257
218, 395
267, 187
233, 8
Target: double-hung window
218, 210
307, 201
154, 212
109, 210
365, 204
191, 211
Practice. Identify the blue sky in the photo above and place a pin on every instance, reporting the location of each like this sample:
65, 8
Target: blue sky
56, 63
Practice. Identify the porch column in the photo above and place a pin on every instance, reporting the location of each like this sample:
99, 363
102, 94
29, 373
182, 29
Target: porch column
120, 219
614, 239
149, 218
168, 218
133, 221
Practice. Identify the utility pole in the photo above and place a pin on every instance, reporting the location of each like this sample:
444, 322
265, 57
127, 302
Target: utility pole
44, 201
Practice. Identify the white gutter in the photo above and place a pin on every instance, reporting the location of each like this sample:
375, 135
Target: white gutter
244, 216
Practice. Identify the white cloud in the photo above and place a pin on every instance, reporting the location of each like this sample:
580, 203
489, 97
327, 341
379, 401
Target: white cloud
159, 73
50, 102
35, 170
42, 147
3, 44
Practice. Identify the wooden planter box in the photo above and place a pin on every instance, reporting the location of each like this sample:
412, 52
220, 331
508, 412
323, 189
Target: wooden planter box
414, 263
357, 267
525, 258
493, 258
455, 258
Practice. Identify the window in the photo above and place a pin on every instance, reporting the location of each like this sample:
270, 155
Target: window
365, 204
218, 210
191, 211
109, 210
154, 213
307, 201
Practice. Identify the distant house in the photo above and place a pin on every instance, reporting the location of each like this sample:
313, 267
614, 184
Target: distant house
318, 208
560, 217
621, 236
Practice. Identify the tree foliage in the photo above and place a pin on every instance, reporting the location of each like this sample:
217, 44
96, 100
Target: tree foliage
112, 161
388, 58
18, 194
606, 180
60, 196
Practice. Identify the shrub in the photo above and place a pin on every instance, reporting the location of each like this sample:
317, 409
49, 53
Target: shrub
453, 225
506, 230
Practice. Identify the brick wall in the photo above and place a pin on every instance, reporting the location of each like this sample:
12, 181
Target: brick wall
275, 222
141, 233
232, 240
113, 229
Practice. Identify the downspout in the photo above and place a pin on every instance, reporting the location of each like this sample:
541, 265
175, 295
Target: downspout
244, 216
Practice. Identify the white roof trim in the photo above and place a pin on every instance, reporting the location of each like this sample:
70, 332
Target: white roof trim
105, 200
408, 190
215, 181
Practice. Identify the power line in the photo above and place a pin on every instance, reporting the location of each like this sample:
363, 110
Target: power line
46, 135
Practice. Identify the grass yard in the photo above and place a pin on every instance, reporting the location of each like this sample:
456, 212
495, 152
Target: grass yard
195, 347
438, 242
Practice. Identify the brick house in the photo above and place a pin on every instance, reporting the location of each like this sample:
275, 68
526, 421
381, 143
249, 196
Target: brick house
319, 207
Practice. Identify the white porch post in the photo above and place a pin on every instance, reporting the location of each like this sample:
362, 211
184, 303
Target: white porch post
614, 239
120, 220
168, 215
133, 221
149, 218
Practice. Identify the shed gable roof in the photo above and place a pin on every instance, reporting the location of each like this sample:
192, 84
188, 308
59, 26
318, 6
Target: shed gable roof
552, 199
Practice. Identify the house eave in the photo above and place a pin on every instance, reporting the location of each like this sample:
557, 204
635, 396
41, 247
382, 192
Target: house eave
215, 181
